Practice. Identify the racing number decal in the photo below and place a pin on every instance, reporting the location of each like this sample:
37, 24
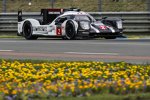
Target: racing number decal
58, 30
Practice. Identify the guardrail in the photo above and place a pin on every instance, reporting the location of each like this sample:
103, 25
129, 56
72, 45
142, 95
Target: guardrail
133, 22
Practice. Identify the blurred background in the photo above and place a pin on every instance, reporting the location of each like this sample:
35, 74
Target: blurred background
86, 5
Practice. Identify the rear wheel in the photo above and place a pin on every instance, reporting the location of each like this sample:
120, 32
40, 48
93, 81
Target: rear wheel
70, 30
28, 30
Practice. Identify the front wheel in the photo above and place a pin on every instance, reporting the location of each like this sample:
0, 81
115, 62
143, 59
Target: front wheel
70, 30
28, 30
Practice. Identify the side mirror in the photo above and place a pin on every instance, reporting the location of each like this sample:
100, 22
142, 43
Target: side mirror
61, 20
56, 22
104, 17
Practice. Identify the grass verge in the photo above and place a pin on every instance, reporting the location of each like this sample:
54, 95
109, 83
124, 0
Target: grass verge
134, 36
86, 5
140, 96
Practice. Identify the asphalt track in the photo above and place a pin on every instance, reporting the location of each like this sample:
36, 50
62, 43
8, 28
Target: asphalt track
128, 50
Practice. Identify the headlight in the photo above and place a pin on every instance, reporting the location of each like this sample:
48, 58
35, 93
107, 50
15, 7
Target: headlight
85, 25
119, 24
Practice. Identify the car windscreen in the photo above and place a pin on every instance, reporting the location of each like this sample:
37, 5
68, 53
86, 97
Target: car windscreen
82, 17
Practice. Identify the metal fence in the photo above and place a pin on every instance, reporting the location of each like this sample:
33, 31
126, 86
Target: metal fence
86, 5
124, 5
133, 22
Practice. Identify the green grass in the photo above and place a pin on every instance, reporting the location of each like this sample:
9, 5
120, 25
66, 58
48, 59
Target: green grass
86, 5
140, 96
9, 36
136, 35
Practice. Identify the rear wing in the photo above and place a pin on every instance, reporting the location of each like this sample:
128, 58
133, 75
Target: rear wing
50, 14
19, 15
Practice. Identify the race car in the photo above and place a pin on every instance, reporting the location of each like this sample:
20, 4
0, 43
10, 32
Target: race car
68, 24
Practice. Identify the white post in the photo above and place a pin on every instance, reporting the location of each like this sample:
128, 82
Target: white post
148, 5
52, 4
100, 5
4, 6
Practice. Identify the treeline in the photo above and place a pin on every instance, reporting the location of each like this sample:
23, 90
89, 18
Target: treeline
86, 5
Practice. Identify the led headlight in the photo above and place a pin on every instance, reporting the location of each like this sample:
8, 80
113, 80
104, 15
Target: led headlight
119, 24
85, 25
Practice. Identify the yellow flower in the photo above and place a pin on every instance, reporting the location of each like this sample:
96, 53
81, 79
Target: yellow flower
81, 87
124, 89
85, 86
136, 86
90, 85
14, 92
48, 87
99, 85
32, 91
148, 82
72, 89
6, 92
25, 91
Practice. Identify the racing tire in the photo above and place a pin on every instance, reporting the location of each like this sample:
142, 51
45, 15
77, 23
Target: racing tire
70, 30
28, 30
111, 37
64, 38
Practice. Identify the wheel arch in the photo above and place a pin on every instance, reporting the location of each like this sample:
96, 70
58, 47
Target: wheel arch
114, 22
27, 29
75, 29
32, 21
64, 26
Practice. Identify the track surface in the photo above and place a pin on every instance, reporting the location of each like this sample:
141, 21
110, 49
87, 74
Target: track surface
132, 51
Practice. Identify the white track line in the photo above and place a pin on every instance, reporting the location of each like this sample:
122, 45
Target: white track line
75, 42
6, 50
89, 53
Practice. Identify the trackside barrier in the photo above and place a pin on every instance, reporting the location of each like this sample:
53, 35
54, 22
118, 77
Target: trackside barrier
133, 22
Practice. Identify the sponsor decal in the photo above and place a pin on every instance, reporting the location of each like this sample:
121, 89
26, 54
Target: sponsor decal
52, 28
103, 27
40, 28
80, 13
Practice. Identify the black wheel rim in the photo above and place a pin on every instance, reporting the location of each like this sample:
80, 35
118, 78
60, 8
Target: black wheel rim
69, 30
27, 30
